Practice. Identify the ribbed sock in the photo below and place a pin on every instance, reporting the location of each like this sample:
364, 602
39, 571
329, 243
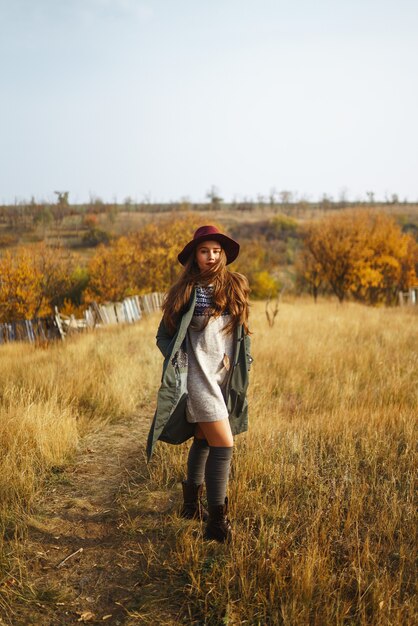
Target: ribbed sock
196, 461
217, 473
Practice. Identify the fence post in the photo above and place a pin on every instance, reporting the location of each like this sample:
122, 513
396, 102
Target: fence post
59, 323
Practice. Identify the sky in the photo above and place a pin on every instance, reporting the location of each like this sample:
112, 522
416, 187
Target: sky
159, 100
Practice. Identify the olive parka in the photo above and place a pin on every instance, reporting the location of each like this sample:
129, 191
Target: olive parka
170, 423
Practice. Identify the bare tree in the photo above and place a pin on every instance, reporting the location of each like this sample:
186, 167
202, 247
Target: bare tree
286, 198
62, 198
214, 197
343, 197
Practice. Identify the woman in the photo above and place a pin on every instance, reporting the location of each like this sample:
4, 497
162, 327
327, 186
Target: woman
204, 339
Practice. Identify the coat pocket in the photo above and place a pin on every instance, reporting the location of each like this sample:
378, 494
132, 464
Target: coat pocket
171, 372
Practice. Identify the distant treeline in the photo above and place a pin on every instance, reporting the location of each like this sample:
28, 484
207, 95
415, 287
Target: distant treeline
90, 224
33, 213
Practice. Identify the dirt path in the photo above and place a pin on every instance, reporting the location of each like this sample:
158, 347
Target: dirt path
83, 563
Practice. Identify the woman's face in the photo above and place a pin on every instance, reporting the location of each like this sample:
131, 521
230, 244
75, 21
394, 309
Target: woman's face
207, 254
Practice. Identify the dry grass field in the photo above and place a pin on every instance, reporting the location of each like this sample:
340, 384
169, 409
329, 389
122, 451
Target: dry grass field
321, 488
50, 397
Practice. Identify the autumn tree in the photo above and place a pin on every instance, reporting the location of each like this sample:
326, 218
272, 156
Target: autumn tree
55, 265
409, 265
360, 253
32, 281
141, 262
20, 286
388, 263
111, 271
336, 244
254, 261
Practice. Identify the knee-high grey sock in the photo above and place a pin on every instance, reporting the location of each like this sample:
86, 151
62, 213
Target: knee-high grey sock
196, 461
217, 473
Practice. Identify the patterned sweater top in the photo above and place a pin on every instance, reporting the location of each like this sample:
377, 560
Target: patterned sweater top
204, 300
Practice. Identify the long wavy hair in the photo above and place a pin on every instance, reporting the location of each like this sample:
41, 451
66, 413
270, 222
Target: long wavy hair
230, 291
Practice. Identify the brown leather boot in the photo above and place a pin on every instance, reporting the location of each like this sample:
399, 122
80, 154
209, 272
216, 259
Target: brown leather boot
192, 506
218, 526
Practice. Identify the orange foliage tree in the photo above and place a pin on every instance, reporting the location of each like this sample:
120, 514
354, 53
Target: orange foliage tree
388, 263
111, 271
32, 281
360, 253
254, 262
141, 262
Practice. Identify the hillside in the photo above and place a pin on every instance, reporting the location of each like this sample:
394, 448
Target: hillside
82, 227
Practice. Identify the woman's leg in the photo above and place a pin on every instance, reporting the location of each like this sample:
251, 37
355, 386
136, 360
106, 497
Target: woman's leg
216, 433
221, 442
196, 460
193, 486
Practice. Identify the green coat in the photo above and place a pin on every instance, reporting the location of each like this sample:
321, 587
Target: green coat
169, 423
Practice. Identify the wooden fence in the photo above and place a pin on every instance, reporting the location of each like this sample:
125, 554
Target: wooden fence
38, 329
409, 297
128, 311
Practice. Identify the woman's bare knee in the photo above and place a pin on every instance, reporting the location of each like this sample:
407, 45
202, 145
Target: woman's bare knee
218, 433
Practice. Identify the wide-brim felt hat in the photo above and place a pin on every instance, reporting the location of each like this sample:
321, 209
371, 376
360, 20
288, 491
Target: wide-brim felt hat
208, 233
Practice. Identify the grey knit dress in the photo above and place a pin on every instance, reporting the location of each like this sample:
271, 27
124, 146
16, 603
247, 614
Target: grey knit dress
210, 353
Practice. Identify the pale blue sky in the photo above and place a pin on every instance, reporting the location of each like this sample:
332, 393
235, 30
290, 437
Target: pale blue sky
116, 98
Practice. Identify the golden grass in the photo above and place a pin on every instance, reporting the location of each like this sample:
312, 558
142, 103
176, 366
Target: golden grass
50, 397
321, 488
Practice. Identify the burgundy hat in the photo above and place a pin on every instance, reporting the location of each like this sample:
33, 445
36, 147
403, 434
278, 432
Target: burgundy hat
207, 233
